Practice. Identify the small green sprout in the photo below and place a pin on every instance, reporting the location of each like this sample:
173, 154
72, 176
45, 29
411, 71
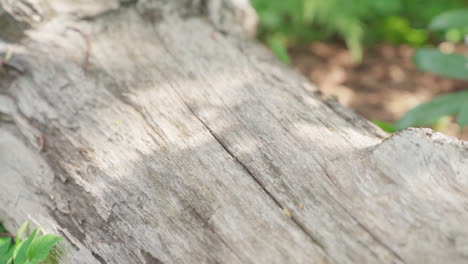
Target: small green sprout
30, 250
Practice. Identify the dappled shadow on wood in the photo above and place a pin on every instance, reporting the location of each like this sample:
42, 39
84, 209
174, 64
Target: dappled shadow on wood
180, 144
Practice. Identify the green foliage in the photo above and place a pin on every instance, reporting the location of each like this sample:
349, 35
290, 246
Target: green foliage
356, 22
40, 248
31, 250
454, 23
276, 43
429, 113
451, 19
20, 254
6, 251
447, 65
387, 127
398, 30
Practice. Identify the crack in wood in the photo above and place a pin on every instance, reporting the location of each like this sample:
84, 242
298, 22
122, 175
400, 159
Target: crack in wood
149, 258
98, 257
257, 181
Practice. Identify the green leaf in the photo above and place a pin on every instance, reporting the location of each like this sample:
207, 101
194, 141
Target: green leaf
442, 124
20, 255
5, 249
279, 49
40, 248
462, 119
6, 258
355, 47
447, 65
451, 19
387, 127
5, 243
21, 231
429, 113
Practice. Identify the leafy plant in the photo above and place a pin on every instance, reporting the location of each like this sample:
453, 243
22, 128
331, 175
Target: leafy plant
430, 112
30, 250
447, 65
287, 23
387, 127
451, 19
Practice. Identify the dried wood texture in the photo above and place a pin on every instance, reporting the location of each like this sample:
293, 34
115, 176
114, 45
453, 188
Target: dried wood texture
184, 142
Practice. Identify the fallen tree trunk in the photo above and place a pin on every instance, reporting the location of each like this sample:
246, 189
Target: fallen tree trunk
159, 132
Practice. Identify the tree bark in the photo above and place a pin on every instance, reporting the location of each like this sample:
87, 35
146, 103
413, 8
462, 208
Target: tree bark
160, 132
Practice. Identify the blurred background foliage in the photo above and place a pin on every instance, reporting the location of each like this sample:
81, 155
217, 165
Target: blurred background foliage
359, 24
285, 23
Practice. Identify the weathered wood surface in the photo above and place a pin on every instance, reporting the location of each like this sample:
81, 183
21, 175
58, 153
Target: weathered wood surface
184, 141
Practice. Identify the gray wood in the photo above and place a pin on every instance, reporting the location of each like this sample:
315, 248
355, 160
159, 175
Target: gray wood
184, 141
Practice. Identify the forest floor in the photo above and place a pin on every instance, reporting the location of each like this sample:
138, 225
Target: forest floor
383, 87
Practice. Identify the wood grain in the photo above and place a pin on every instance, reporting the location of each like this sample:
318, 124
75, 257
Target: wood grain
184, 142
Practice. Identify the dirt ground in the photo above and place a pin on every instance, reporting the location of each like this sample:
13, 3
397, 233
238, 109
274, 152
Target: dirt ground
383, 87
